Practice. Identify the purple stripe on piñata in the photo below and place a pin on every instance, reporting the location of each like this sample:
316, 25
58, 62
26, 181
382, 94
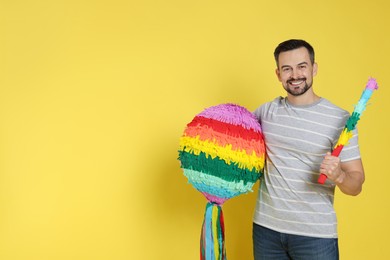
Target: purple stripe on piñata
214, 199
232, 114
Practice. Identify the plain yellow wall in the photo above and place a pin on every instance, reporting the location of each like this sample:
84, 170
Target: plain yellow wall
94, 96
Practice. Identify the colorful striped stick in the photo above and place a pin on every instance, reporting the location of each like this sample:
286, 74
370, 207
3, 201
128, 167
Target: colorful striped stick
346, 134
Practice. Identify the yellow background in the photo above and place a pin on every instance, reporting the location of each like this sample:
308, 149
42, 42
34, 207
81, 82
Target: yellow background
94, 96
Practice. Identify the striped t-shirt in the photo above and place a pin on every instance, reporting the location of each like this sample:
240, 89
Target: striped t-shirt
297, 138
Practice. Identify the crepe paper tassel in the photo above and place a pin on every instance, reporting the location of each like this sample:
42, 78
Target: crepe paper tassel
212, 241
352, 121
222, 154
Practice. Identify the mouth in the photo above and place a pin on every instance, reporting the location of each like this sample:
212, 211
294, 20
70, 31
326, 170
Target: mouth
296, 83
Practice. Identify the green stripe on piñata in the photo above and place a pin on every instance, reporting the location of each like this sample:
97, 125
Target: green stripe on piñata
217, 167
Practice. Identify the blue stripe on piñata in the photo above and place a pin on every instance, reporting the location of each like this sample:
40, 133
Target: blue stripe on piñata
216, 186
208, 226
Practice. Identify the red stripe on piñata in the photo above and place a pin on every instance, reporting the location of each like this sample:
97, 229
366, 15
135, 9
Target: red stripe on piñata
207, 133
225, 128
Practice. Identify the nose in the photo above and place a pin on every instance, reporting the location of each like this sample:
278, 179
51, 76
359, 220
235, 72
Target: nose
296, 74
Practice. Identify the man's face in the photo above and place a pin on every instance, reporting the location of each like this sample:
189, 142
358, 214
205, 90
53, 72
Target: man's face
295, 71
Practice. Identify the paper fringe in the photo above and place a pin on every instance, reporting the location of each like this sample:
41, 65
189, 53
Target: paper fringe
217, 167
212, 240
226, 153
352, 121
225, 128
357, 112
208, 134
216, 186
344, 137
232, 114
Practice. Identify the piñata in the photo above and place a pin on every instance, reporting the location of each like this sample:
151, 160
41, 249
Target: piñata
222, 154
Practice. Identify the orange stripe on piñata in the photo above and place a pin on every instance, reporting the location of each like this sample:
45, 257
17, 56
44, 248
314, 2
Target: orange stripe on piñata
224, 128
195, 146
207, 133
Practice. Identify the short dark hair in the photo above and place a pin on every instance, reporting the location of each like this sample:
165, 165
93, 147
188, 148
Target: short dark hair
293, 44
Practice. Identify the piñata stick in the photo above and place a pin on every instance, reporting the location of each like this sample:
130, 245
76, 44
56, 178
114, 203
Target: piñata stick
346, 134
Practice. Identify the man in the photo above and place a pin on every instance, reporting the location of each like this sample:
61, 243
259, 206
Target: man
294, 216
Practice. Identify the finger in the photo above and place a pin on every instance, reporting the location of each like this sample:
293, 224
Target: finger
327, 162
326, 171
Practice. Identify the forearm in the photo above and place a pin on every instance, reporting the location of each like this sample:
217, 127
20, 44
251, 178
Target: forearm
350, 182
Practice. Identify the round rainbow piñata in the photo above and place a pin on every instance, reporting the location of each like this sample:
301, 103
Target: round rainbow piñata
222, 154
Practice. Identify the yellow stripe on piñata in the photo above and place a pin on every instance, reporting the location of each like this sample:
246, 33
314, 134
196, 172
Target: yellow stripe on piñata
344, 137
226, 153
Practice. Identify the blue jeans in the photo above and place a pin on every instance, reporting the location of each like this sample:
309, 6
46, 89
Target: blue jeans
270, 245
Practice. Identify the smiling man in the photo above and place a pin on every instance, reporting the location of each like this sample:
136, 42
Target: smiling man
294, 216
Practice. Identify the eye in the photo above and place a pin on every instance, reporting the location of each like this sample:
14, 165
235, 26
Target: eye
286, 69
302, 66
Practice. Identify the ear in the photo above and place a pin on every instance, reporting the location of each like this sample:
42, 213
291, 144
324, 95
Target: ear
277, 72
315, 68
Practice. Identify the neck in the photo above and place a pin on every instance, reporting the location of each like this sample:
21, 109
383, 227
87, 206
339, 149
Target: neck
306, 99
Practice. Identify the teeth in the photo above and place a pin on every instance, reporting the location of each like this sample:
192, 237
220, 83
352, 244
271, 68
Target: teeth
296, 82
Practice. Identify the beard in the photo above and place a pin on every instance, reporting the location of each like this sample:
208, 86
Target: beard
297, 91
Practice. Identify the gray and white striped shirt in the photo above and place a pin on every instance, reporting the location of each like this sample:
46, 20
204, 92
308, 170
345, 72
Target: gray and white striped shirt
297, 137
